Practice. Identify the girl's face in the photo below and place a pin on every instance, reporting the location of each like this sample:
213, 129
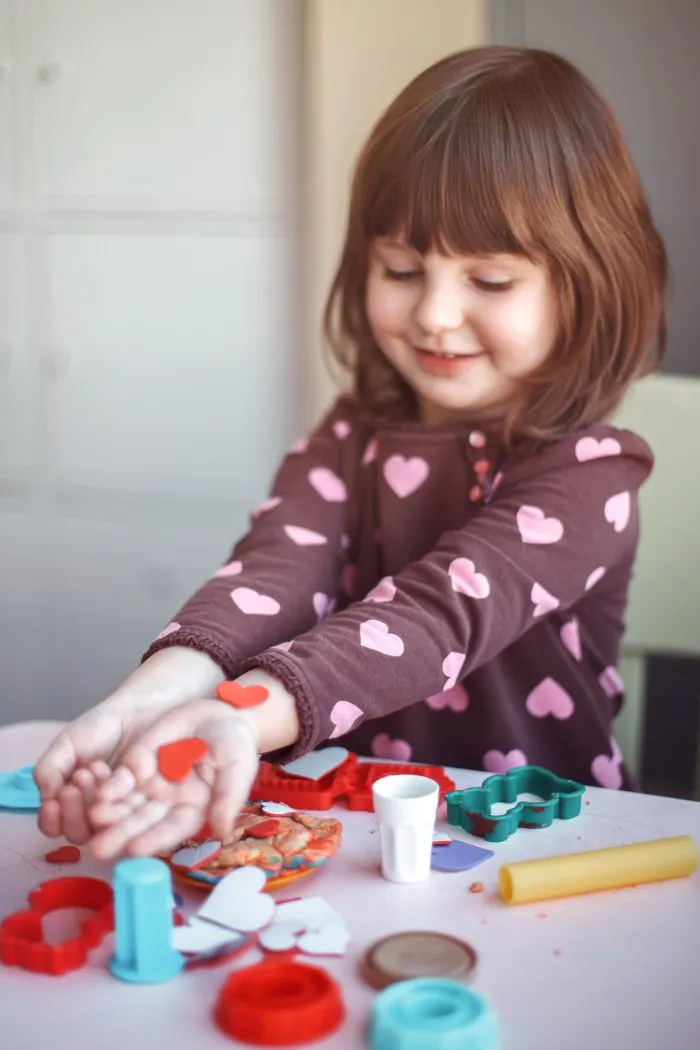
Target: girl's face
463, 331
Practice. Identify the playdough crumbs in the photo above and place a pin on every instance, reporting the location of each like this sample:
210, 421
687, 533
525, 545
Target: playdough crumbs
476, 887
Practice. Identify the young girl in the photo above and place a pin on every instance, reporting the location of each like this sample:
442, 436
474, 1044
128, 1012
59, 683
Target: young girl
441, 570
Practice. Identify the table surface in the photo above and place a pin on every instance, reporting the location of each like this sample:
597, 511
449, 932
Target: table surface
606, 970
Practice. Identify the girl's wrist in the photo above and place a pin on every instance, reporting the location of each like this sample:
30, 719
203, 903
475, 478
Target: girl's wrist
170, 677
274, 722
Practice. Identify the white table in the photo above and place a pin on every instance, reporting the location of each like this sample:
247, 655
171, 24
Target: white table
610, 970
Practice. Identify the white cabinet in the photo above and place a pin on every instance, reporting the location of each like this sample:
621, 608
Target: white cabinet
149, 335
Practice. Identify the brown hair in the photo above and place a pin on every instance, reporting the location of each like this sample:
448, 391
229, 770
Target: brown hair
501, 149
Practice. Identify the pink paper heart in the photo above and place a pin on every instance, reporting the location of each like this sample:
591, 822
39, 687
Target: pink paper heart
384, 747
534, 527
549, 698
299, 446
571, 638
455, 698
252, 603
607, 771
451, 666
266, 505
304, 537
595, 576
341, 429
617, 510
611, 683
370, 452
466, 580
375, 635
170, 629
323, 605
328, 485
238, 903
405, 476
588, 448
343, 716
383, 592
192, 857
543, 601
497, 762
234, 568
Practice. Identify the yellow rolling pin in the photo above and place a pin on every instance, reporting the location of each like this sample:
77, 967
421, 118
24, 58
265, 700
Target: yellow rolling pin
600, 869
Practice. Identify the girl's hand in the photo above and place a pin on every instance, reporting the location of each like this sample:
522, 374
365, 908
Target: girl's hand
83, 754
139, 812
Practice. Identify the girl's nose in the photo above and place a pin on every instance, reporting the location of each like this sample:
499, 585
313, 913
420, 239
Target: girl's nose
441, 309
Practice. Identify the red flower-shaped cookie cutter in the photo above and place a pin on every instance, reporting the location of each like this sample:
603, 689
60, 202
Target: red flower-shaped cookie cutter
21, 936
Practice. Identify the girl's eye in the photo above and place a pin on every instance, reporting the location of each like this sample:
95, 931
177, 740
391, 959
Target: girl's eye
401, 275
492, 286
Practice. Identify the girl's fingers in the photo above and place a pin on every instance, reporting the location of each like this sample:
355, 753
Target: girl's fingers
75, 823
55, 767
51, 819
116, 839
230, 793
182, 821
117, 786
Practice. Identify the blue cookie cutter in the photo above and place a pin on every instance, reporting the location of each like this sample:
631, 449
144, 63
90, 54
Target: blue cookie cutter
471, 808
18, 790
432, 1012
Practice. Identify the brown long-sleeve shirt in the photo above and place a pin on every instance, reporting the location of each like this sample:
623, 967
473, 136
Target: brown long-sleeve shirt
427, 598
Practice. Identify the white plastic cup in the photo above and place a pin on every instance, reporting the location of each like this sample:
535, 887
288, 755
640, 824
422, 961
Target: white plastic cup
406, 808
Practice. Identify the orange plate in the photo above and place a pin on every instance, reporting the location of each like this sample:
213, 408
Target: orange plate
275, 883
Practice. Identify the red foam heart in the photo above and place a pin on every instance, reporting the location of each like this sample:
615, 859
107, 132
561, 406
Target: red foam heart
242, 696
263, 830
63, 855
177, 759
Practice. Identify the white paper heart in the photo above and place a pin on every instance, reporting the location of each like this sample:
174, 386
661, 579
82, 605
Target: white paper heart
238, 903
276, 809
316, 764
441, 838
331, 940
201, 937
280, 937
194, 856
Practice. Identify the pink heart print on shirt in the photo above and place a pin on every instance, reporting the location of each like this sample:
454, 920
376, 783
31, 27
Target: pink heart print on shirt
535, 527
343, 716
595, 576
549, 698
341, 429
588, 448
455, 699
385, 591
497, 762
323, 605
304, 537
375, 635
570, 635
170, 629
543, 601
451, 666
405, 476
299, 446
252, 603
384, 747
328, 485
266, 505
234, 568
370, 453
617, 510
607, 768
611, 683
466, 580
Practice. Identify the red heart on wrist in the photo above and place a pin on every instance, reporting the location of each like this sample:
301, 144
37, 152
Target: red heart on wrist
176, 760
242, 696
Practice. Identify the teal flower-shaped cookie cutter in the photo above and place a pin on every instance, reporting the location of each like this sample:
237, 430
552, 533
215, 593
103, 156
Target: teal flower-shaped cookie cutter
471, 808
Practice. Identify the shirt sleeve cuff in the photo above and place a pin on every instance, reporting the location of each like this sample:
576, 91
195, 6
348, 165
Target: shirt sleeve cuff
277, 663
191, 638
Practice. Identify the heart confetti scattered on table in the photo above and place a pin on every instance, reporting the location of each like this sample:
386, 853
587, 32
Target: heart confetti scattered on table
238, 902
193, 857
242, 696
63, 855
309, 924
177, 759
